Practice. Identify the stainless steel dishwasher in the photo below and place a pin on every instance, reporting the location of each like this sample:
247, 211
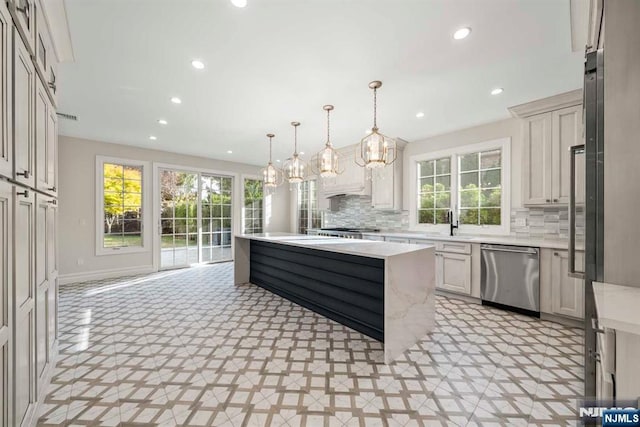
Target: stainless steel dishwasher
511, 278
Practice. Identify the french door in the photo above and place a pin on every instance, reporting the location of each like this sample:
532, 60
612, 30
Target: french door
196, 218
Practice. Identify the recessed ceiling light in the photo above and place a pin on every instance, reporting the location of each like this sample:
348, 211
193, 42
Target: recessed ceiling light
197, 64
229, 152
153, 138
302, 153
278, 160
239, 3
497, 91
462, 33
176, 100
368, 131
162, 122
420, 115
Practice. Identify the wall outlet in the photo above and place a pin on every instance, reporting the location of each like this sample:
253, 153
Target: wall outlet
80, 261
521, 222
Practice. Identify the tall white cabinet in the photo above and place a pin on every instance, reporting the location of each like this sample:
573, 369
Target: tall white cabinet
28, 208
550, 127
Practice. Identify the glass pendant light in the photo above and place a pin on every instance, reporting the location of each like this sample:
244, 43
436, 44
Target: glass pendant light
272, 176
376, 149
294, 166
326, 162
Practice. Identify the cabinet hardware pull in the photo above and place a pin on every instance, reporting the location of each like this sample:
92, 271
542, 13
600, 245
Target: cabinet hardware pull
53, 86
594, 326
556, 254
52, 188
555, 200
548, 200
24, 193
26, 174
53, 202
24, 9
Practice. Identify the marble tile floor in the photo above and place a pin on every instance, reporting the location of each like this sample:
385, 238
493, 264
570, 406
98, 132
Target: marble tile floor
187, 347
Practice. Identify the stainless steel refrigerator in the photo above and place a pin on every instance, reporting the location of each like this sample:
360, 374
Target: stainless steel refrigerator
610, 156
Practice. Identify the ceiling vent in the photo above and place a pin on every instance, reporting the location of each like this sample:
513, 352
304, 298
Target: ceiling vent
68, 116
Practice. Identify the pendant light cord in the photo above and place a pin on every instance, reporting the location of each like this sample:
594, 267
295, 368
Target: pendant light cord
328, 127
295, 140
270, 148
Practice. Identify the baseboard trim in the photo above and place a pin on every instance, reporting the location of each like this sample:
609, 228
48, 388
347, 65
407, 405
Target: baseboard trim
85, 276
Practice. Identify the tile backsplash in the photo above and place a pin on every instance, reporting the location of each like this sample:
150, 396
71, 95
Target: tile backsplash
356, 211
540, 222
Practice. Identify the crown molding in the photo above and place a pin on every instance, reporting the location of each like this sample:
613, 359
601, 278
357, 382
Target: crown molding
556, 102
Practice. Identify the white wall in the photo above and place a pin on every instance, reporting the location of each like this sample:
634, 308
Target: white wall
77, 199
508, 128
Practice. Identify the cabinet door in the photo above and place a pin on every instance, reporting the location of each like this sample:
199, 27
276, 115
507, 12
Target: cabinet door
24, 304
536, 178
24, 14
42, 288
382, 186
567, 132
52, 271
6, 47
453, 272
6, 321
568, 292
40, 135
44, 56
52, 151
23, 111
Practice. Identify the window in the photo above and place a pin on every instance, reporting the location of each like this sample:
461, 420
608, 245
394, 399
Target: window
308, 214
434, 195
253, 206
121, 201
470, 181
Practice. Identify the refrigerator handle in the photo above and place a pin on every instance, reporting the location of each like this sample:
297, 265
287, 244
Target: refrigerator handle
576, 149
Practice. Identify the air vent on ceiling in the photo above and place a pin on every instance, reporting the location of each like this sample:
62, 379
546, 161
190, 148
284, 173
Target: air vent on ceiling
68, 116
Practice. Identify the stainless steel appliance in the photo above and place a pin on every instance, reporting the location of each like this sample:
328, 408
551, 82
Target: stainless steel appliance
511, 278
610, 152
344, 232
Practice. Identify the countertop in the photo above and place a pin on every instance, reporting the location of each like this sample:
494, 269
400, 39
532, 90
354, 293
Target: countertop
617, 307
498, 240
357, 247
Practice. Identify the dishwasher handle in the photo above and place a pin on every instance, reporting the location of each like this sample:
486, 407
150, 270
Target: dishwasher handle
497, 248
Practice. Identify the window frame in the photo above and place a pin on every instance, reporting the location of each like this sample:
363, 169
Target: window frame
264, 200
146, 204
309, 209
503, 144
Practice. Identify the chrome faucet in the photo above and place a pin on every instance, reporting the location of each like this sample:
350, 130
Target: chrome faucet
451, 225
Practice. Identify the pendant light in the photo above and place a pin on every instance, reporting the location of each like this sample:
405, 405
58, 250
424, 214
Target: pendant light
272, 176
326, 162
376, 149
294, 166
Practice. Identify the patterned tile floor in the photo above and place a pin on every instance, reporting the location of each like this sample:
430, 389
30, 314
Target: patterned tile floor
187, 347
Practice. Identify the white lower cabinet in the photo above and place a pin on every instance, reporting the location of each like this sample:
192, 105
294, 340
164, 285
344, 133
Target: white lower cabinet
560, 294
6, 318
396, 239
453, 272
24, 304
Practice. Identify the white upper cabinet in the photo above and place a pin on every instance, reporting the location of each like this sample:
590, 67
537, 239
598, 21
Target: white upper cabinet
353, 179
45, 141
386, 184
550, 127
45, 60
6, 47
24, 13
23, 114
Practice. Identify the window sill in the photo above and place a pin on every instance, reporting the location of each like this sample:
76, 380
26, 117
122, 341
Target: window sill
120, 251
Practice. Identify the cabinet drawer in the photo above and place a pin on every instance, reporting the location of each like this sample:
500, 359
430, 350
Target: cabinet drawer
396, 239
422, 242
453, 247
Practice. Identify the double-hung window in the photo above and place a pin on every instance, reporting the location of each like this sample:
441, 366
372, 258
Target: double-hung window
470, 181
121, 206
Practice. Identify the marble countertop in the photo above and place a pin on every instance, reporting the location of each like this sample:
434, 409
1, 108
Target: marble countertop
617, 307
357, 247
498, 240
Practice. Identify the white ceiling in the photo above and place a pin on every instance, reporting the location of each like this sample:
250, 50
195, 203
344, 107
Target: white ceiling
276, 61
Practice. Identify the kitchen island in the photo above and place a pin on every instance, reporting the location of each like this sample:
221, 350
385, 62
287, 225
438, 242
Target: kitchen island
383, 290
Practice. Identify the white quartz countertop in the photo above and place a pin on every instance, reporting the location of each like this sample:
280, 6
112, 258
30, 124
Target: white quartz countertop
498, 240
357, 247
617, 307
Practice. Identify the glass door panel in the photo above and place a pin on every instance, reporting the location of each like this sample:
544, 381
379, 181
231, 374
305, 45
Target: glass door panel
179, 218
217, 225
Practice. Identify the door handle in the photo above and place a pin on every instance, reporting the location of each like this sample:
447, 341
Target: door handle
575, 150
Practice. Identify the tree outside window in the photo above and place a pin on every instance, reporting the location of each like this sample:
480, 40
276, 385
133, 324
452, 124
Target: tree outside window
253, 206
122, 205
